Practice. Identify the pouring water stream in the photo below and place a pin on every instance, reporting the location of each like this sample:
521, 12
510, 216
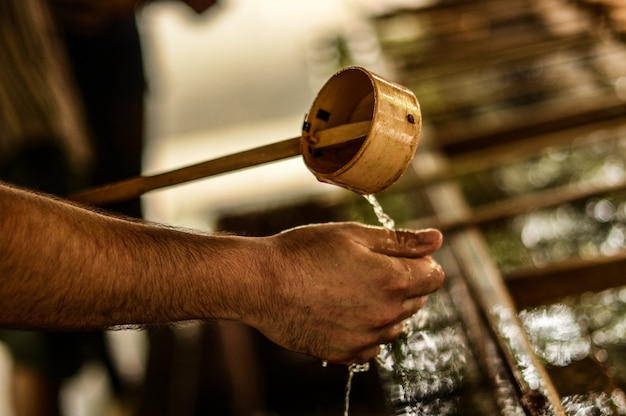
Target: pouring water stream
388, 223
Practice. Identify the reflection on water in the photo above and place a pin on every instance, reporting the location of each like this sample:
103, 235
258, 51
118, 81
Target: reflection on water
597, 157
595, 404
592, 328
512, 334
589, 323
426, 363
555, 334
602, 316
584, 228
431, 369
426, 369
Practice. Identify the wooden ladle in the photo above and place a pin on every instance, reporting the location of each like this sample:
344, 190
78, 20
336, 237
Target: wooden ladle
361, 134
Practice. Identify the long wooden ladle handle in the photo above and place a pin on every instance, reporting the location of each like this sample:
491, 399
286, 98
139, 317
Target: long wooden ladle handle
133, 187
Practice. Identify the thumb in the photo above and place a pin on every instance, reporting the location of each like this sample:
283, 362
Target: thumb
408, 243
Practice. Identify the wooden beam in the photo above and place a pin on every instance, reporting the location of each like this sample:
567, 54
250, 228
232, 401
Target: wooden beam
508, 208
539, 286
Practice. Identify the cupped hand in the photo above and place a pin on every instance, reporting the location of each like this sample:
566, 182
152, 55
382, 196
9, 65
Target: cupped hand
337, 291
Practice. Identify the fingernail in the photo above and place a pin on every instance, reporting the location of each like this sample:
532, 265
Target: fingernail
428, 236
417, 239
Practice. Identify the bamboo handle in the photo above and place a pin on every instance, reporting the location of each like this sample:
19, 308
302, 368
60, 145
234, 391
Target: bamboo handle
133, 187
340, 134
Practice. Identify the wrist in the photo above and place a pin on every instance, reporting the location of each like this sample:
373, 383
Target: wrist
233, 275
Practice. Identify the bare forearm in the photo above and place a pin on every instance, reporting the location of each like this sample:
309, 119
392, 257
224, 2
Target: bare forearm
335, 291
66, 267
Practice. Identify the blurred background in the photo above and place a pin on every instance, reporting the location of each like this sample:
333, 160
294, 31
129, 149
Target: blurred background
522, 164
239, 76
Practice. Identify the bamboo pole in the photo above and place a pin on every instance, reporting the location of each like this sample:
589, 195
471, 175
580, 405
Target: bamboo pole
535, 386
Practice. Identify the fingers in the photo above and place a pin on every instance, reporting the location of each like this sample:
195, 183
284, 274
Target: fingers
363, 283
424, 276
392, 328
384, 336
431, 279
412, 306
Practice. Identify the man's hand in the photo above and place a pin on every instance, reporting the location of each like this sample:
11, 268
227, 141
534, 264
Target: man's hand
334, 291
338, 291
